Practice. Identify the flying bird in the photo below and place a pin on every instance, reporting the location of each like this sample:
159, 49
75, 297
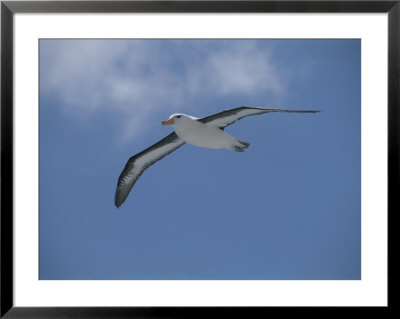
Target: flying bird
205, 132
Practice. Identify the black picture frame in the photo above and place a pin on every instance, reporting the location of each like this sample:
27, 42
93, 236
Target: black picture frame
9, 8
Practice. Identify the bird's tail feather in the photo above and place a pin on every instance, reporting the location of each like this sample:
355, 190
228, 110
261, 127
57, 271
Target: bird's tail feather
245, 144
240, 146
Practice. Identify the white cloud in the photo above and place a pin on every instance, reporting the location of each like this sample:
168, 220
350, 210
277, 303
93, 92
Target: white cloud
135, 78
237, 67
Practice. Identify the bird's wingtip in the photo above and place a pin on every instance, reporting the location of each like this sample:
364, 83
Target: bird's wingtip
118, 203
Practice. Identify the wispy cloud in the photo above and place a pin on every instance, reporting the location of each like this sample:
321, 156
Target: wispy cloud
135, 78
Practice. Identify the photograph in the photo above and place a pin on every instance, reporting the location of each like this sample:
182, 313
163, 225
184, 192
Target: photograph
199, 159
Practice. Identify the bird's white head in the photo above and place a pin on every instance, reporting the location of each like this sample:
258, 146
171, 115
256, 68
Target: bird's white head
178, 119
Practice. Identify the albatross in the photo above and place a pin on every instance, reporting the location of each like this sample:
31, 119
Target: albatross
205, 132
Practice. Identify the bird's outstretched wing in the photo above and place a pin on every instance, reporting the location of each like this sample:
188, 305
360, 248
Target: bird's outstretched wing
138, 163
227, 117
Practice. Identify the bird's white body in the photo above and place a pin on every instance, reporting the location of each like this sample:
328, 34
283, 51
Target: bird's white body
203, 135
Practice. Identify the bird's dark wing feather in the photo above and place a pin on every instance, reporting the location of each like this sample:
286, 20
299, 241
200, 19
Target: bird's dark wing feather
138, 163
227, 117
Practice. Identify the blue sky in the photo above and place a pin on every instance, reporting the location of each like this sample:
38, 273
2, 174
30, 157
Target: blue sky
288, 208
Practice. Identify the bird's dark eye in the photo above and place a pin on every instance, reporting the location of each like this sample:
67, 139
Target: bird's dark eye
178, 116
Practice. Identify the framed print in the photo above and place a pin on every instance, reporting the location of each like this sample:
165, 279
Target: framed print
131, 189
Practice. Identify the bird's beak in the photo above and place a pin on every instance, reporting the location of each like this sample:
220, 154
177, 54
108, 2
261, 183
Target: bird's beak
168, 122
